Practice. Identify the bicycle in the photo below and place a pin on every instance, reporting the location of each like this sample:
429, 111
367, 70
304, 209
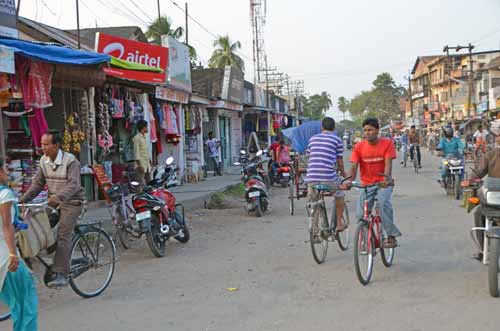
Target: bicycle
405, 155
369, 237
92, 249
413, 153
319, 236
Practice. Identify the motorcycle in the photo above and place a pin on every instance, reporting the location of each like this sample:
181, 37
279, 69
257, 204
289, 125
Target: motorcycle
257, 158
256, 194
487, 195
281, 174
454, 168
166, 221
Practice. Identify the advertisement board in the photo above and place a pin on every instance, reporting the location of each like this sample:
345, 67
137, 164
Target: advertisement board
232, 85
7, 64
134, 51
8, 26
179, 69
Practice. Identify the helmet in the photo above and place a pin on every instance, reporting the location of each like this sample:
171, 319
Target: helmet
448, 131
495, 127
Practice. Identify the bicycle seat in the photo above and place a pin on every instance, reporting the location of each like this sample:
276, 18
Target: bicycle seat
323, 188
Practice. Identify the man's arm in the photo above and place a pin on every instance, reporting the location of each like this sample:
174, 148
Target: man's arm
73, 184
37, 186
340, 166
388, 167
354, 171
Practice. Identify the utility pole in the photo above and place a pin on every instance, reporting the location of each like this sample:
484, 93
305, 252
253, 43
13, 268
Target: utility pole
471, 74
159, 13
187, 24
410, 96
18, 8
78, 22
446, 49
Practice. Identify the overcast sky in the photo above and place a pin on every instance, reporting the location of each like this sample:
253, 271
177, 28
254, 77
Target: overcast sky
337, 46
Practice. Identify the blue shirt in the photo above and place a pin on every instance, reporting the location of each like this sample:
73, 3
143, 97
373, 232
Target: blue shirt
404, 139
452, 146
324, 150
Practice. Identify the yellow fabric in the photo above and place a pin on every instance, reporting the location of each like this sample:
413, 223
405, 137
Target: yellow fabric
141, 151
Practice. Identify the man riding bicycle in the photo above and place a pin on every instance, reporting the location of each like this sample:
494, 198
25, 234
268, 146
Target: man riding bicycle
325, 159
449, 145
373, 156
404, 145
480, 137
61, 172
415, 142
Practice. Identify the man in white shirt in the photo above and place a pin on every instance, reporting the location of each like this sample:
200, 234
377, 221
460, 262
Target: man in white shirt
213, 145
480, 137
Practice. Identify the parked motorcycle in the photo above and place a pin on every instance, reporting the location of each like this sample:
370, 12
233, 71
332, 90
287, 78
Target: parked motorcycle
487, 196
454, 168
256, 194
257, 158
167, 217
281, 175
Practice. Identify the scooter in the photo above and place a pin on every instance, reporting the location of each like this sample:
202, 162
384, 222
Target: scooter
256, 194
167, 217
487, 196
454, 169
282, 175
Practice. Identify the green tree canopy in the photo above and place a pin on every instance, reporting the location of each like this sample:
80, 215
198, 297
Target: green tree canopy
225, 54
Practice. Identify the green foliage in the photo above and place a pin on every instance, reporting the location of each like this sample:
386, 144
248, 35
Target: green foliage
237, 190
225, 54
217, 201
316, 105
343, 105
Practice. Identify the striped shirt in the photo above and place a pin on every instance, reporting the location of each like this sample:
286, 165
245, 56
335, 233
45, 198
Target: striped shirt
324, 150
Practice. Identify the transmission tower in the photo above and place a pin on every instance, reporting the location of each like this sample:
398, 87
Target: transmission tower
258, 10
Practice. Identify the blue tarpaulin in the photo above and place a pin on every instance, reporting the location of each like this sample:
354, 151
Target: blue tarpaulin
300, 135
54, 53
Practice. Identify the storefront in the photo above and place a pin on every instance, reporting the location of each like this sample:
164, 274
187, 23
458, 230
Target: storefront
194, 146
256, 120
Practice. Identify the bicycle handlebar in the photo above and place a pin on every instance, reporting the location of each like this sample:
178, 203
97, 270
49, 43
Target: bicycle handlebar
28, 205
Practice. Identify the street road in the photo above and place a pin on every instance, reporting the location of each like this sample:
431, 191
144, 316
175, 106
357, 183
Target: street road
433, 284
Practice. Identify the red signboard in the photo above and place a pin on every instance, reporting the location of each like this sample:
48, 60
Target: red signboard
134, 51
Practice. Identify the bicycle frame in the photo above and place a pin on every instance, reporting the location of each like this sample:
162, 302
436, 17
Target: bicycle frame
374, 221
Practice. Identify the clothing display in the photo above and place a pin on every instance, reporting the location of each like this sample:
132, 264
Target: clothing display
38, 126
36, 82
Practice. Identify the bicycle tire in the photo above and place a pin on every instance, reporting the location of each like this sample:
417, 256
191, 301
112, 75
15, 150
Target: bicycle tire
95, 247
121, 231
362, 232
493, 267
291, 188
155, 238
318, 255
343, 238
386, 254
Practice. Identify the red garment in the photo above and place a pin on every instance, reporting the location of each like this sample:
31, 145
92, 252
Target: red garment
36, 82
38, 126
371, 159
274, 147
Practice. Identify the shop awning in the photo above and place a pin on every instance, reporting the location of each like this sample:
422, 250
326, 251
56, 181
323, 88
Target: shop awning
123, 64
54, 53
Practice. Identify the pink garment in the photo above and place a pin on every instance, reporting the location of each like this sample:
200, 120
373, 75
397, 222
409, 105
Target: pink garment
36, 82
152, 122
283, 155
38, 126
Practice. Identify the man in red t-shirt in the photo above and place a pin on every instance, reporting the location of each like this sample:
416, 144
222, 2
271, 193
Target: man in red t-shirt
374, 157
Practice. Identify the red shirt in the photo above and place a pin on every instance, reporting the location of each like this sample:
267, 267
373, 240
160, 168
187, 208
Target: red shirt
274, 147
371, 159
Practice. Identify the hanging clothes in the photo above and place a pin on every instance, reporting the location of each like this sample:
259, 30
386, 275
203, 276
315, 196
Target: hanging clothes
38, 126
36, 82
154, 128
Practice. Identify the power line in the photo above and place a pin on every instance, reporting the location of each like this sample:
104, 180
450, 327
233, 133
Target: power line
141, 10
93, 13
50, 10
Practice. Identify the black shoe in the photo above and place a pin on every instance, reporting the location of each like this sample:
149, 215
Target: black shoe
478, 256
59, 281
420, 166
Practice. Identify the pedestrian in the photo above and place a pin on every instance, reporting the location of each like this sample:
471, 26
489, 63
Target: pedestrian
213, 145
17, 289
141, 153
60, 171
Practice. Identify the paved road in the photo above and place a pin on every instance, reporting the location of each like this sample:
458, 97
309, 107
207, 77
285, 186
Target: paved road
433, 285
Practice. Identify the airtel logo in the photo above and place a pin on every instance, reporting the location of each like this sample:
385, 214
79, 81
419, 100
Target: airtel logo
113, 47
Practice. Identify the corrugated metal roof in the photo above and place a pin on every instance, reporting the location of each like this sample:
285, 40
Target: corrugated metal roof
87, 36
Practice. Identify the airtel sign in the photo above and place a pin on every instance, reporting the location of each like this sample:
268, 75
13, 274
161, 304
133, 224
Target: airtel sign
134, 51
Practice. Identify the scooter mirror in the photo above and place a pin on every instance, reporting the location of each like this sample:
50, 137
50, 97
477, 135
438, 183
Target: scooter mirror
134, 183
169, 161
243, 152
259, 153
236, 163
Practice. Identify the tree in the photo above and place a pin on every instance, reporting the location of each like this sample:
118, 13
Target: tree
343, 105
164, 26
225, 54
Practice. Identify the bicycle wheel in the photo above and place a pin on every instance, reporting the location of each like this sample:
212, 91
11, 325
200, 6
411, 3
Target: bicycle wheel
4, 312
92, 262
493, 267
319, 243
387, 254
121, 230
364, 247
291, 189
344, 238
154, 237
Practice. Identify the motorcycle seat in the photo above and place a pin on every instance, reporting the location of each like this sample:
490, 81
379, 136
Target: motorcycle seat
323, 188
494, 232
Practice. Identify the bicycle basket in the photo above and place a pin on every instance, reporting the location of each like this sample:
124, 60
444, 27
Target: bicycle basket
114, 193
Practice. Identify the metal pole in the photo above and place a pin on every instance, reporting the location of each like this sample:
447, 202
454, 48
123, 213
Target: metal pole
159, 14
18, 8
267, 84
2, 138
187, 25
257, 49
78, 22
450, 103
469, 93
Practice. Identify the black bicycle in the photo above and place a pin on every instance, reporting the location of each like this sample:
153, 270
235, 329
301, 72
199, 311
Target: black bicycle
93, 257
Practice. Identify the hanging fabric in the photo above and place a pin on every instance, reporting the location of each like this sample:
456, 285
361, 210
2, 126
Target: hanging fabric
36, 82
38, 126
116, 106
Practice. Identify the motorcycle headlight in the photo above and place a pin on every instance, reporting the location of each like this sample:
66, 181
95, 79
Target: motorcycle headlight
455, 163
493, 198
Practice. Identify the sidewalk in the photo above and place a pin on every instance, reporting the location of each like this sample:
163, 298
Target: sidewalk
192, 196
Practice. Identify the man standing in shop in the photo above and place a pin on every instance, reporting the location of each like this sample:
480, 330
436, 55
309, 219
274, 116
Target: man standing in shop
141, 153
213, 145
60, 171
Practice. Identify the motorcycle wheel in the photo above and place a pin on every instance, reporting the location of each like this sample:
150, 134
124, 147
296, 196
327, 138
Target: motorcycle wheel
154, 237
457, 188
493, 267
258, 208
184, 238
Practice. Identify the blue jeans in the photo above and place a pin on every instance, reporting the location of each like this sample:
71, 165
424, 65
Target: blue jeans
383, 196
19, 293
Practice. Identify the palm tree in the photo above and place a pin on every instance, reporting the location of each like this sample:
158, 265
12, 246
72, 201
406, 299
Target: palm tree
163, 26
326, 101
343, 105
225, 54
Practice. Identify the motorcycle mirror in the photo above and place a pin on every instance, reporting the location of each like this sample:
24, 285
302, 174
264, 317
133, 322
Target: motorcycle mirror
243, 152
236, 163
169, 161
134, 183
259, 153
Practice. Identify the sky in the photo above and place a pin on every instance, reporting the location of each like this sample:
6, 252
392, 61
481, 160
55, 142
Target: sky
336, 46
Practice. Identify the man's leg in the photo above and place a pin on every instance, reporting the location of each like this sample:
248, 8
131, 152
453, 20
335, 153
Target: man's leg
412, 148
384, 196
339, 210
479, 221
419, 156
69, 216
141, 175
215, 165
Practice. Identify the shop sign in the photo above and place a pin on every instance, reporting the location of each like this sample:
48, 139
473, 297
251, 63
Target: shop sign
167, 94
418, 95
482, 107
8, 26
137, 52
495, 97
7, 63
222, 104
232, 85
458, 107
179, 64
